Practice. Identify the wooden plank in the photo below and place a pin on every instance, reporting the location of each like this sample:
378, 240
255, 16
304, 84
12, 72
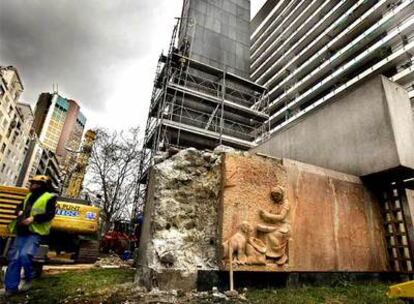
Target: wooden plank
398, 234
8, 206
10, 201
390, 222
6, 216
392, 210
402, 259
12, 195
394, 229
408, 219
8, 211
11, 189
398, 246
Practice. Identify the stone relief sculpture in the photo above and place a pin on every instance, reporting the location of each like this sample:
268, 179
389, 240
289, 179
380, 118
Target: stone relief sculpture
235, 246
276, 229
243, 248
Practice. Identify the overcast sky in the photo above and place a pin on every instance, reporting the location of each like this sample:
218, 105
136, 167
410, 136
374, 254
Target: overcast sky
101, 53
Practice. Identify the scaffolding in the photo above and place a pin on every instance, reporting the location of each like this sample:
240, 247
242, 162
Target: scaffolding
195, 104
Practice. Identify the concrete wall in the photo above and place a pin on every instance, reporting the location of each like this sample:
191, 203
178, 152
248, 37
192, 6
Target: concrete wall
368, 130
221, 35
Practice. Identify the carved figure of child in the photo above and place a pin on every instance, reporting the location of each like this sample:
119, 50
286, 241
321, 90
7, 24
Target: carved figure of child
276, 228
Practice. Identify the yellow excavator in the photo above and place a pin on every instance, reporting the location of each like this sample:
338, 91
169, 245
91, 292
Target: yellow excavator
74, 228
403, 291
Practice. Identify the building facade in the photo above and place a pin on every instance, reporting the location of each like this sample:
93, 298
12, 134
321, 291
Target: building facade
308, 52
57, 134
59, 124
14, 128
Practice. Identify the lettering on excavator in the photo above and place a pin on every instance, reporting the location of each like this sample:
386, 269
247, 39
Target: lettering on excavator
67, 210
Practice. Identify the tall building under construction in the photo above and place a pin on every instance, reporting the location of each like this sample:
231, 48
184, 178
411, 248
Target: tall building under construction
202, 96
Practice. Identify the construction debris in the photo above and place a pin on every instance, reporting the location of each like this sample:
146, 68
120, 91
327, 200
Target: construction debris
112, 261
137, 294
54, 269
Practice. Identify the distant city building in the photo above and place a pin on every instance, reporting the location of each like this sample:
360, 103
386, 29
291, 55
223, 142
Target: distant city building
57, 128
37, 159
40, 160
14, 129
49, 165
59, 125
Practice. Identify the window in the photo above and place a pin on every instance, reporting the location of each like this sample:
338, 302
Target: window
9, 132
3, 147
3, 167
13, 141
5, 123
2, 91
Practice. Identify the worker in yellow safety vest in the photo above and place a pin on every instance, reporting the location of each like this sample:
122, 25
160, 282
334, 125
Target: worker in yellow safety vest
34, 218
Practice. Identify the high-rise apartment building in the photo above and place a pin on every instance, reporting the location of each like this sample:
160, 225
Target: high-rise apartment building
59, 124
58, 127
14, 128
308, 52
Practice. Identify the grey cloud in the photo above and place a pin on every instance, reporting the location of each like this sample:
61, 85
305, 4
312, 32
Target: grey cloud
83, 44
77, 43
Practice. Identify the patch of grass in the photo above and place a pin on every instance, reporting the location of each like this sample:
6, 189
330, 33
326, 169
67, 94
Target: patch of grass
82, 285
351, 294
116, 286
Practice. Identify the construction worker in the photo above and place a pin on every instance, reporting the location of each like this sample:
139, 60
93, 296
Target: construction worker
34, 217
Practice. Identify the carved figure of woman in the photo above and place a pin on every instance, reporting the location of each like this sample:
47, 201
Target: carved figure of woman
276, 227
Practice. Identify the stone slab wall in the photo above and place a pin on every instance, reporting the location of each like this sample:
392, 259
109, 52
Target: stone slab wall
334, 223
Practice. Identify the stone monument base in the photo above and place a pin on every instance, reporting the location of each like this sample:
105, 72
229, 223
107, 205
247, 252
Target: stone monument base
269, 217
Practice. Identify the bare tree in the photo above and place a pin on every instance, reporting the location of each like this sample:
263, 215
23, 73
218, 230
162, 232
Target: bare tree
113, 172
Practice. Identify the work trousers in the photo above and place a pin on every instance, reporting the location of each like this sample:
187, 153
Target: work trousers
21, 254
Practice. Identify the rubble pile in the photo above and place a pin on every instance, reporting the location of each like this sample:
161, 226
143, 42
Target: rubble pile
112, 261
134, 294
184, 217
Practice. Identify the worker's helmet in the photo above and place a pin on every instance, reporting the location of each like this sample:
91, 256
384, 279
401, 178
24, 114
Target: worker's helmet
41, 179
